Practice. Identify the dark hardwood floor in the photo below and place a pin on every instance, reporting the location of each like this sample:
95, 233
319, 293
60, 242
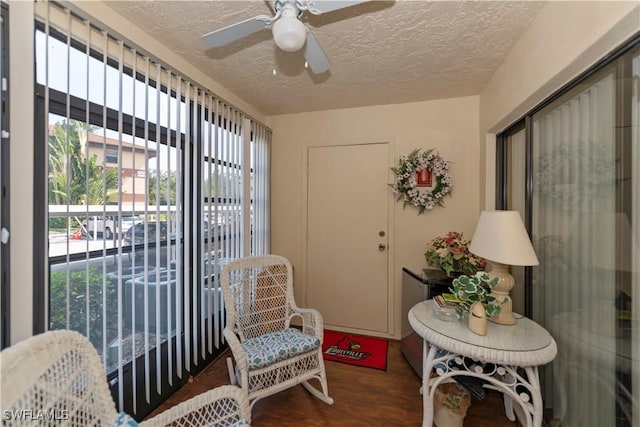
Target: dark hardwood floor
363, 397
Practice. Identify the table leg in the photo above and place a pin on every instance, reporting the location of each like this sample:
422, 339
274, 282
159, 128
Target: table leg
508, 407
429, 353
536, 398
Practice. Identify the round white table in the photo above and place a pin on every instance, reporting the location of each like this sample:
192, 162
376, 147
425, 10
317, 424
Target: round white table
507, 358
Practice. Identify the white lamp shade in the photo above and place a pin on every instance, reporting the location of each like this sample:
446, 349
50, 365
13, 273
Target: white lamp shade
289, 33
500, 236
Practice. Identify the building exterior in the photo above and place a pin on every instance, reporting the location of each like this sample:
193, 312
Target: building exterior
132, 162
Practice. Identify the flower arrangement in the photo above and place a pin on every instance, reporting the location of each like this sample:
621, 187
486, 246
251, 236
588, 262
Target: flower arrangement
405, 186
451, 254
477, 288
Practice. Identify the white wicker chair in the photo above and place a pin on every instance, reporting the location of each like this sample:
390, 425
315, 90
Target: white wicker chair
60, 373
270, 356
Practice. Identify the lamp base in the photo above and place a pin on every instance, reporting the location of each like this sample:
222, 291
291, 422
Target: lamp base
506, 282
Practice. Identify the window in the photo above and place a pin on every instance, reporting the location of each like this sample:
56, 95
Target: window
575, 174
147, 191
111, 156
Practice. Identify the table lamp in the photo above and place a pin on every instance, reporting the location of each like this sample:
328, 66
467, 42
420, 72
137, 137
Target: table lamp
502, 240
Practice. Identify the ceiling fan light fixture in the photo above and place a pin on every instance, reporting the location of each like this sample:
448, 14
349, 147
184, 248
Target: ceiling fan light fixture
289, 33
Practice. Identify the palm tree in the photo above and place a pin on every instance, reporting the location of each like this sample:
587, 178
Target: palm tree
74, 178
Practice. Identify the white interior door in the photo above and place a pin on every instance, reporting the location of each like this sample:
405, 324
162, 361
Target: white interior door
347, 235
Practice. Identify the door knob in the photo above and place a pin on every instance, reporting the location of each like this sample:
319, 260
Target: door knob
382, 247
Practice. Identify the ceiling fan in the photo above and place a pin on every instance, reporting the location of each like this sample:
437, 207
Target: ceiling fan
289, 33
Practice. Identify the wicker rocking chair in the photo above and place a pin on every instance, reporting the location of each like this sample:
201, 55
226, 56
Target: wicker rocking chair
270, 355
59, 375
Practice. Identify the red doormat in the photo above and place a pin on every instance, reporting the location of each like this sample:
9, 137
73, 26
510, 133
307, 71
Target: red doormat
355, 349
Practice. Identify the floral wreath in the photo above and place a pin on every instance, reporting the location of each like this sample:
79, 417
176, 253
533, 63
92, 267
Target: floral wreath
405, 186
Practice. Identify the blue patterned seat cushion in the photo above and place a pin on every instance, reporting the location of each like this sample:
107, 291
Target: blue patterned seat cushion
124, 420
273, 347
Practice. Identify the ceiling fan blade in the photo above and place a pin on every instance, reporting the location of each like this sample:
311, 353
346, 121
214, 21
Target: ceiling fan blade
234, 32
323, 6
314, 55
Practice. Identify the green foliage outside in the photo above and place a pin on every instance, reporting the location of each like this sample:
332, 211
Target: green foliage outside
57, 225
223, 184
78, 318
167, 180
161, 186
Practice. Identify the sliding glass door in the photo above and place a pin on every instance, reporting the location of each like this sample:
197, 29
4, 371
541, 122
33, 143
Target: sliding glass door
574, 214
582, 152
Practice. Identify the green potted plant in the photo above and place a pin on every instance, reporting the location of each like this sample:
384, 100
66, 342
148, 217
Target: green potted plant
474, 297
451, 254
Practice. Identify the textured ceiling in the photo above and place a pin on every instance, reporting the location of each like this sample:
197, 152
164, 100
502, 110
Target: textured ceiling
381, 52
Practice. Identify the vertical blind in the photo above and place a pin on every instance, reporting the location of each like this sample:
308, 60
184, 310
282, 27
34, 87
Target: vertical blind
573, 211
260, 219
582, 291
154, 184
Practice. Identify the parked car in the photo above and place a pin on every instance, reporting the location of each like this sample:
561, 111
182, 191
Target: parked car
108, 226
136, 234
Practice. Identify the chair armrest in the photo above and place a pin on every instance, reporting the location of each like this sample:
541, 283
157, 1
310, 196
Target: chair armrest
221, 406
236, 348
311, 321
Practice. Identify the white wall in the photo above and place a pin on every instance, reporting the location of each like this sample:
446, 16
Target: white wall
21, 76
447, 125
562, 41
